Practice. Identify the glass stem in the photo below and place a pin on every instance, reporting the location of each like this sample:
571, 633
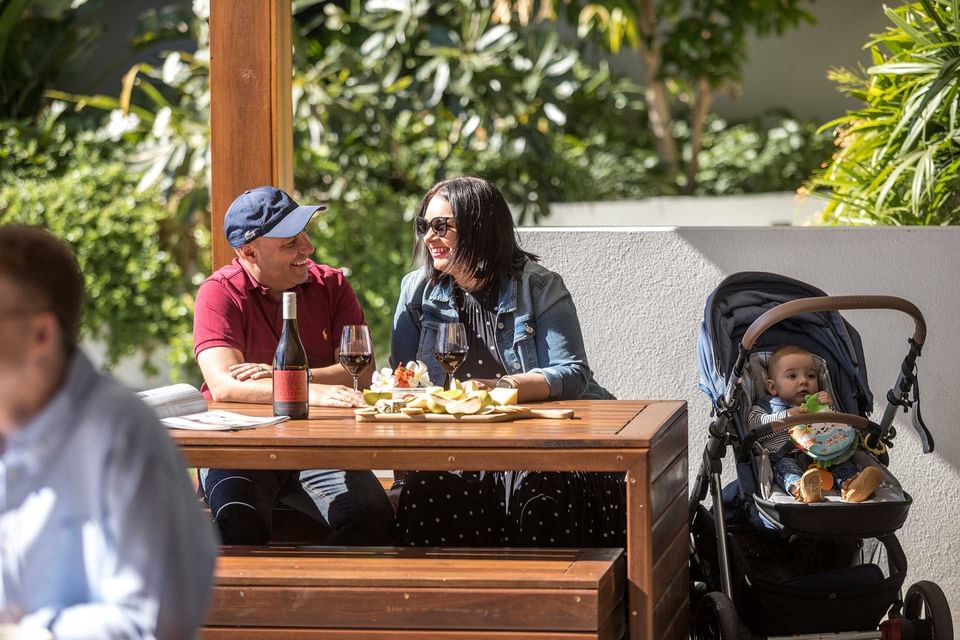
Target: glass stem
447, 381
355, 383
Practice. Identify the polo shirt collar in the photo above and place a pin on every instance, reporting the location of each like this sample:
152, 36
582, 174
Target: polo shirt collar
252, 283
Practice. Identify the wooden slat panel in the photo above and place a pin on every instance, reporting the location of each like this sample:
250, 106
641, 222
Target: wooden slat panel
674, 599
666, 566
614, 627
231, 633
439, 458
372, 567
671, 524
668, 442
645, 427
679, 628
404, 608
669, 484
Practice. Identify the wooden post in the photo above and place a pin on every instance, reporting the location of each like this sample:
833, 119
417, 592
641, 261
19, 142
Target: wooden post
251, 112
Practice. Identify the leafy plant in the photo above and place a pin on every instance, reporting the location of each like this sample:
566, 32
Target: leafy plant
40, 40
689, 48
898, 156
60, 176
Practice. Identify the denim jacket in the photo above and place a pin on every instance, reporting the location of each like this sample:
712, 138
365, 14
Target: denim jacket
537, 329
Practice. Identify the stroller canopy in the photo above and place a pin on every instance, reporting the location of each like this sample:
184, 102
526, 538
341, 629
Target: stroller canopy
741, 298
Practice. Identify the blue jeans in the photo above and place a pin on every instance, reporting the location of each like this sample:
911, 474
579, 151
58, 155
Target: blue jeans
788, 467
350, 507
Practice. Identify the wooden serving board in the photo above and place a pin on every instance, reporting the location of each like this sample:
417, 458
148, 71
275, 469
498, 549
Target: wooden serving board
551, 414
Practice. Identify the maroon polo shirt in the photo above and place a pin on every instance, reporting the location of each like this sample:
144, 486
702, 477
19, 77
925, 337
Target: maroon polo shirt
234, 310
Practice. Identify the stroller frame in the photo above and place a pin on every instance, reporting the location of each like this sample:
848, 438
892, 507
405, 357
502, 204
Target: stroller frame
923, 597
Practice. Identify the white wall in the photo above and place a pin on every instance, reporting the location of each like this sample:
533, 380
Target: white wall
640, 294
781, 208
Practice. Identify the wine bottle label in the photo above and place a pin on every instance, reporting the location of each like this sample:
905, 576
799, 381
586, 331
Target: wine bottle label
290, 386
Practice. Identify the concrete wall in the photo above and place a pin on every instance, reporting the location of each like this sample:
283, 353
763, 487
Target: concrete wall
753, 210
640, 294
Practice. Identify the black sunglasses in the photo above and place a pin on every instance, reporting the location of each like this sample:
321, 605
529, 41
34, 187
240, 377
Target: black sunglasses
439, 225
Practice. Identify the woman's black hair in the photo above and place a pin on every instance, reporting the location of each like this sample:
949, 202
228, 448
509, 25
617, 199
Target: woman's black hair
487, 243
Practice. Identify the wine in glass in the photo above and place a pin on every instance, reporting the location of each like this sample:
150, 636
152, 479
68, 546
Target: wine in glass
450, 349
356, 350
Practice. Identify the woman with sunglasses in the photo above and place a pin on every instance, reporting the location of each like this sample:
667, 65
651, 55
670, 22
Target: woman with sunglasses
523, 332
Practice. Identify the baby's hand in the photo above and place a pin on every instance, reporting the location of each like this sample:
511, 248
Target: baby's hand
824, 398
796, 411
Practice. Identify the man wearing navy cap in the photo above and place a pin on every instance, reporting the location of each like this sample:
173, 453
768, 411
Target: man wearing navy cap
237, 324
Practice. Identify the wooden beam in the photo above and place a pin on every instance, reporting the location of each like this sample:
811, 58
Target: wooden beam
251, 119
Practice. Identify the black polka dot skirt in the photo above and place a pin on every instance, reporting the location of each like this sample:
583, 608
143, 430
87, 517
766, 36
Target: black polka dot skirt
545, 509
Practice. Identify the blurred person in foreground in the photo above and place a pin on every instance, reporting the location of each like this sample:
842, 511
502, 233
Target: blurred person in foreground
101, 535
523, 333
237, 324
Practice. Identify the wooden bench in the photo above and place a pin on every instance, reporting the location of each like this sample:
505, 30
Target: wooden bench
340, 593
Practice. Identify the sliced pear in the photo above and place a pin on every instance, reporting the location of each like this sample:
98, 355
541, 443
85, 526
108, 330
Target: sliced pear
502, 395
420, 402
452, 394
480, 394
470, 386
464, 407
437, 403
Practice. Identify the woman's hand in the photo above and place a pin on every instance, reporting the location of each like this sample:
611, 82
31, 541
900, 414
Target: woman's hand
250, 371
334, 395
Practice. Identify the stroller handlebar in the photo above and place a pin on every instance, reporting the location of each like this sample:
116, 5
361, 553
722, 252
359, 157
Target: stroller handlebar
833, 303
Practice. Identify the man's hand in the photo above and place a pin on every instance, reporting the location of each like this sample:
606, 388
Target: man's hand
334, 395
250, 371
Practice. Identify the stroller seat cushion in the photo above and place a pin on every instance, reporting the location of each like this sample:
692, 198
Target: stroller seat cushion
888, 491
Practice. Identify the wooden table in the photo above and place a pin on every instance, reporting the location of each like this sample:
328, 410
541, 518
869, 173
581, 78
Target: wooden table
645, 440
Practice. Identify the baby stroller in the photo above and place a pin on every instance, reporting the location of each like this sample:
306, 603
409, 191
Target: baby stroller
761, 563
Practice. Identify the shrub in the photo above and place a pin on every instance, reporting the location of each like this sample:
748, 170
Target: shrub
81, 190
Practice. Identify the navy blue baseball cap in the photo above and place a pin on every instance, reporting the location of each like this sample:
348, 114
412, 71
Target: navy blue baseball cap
265, 212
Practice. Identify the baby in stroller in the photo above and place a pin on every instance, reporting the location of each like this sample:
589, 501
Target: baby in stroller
793, 375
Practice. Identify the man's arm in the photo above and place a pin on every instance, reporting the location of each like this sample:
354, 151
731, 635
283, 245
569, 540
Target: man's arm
333, 374
216, 362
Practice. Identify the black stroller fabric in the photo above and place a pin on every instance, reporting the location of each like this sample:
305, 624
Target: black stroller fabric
742, 298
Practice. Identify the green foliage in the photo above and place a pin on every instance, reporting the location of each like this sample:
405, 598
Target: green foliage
40, 40
752, 158
898, 156
80, 189
388, 100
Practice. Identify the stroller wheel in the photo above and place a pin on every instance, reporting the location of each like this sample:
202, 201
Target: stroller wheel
716, 618
927, 609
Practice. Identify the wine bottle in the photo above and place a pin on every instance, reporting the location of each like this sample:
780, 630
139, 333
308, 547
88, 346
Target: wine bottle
290, 392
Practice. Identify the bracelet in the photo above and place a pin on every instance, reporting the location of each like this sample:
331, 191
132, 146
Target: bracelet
506, 382
309, 375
